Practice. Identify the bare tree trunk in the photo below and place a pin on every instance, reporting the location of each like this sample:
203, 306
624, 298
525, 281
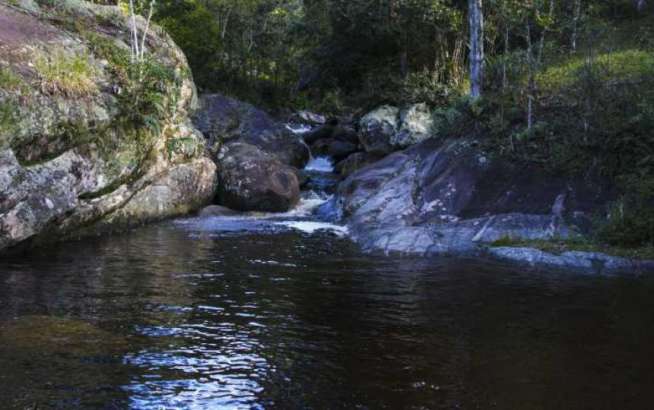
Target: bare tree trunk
505, 81
404, 56
541, 45
225, 23
575, 25
476, 20
532, 85
135, 35
147, 28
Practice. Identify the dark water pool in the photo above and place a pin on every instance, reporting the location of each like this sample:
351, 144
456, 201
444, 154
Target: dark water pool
174, 317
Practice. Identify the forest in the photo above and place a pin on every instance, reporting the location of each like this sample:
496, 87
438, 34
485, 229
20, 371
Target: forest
566, 84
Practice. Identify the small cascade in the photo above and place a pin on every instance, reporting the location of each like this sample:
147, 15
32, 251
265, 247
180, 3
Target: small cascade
320, 164
313, 214
299, 129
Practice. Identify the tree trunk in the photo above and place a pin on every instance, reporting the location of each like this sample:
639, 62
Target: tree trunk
476, 20
505, 81
575, 25
541, 45
640, 5
532, 83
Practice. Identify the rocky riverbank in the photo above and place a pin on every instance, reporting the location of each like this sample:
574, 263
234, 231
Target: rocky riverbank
88, 141
86, 148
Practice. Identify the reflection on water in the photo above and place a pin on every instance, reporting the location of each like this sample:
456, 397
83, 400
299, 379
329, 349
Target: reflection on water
182, 315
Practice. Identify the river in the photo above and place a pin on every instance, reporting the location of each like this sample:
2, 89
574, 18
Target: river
264, 312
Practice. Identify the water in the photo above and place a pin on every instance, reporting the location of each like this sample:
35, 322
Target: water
255, 313
320, 164
282, 311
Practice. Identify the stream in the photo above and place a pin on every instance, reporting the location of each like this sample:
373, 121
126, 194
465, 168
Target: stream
283, 311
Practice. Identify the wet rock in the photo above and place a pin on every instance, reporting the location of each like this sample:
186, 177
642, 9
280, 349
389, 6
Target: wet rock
223, 119
325, 131
253, 180
335, 149
448, 197
346, 133
355, 162
311, 118
377, 129
216, 210
302, 177
589, 262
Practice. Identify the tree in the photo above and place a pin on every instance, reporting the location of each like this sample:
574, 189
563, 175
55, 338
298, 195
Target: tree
476, 20
138, 42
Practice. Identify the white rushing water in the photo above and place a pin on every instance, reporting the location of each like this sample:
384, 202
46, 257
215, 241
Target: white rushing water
314, 227
299, 129
320, 164
300, 218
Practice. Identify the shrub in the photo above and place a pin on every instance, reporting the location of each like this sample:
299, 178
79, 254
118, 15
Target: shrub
628, 225
630, 221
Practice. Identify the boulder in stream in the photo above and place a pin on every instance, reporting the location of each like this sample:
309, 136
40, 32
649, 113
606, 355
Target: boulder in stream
378, 128
253, 180
355, 162
79, 153
336, 149
224, 119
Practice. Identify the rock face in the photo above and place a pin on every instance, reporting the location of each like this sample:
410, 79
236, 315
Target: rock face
253, 180
447, 197
78, 153
222, 120
336, 149
355, 162
587, 262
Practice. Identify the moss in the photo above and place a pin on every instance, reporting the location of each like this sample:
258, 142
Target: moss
66, 74
8, 119
9, 81
42, 148
559, 246
186, 146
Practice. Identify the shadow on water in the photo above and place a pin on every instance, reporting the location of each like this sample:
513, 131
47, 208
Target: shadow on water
183, 316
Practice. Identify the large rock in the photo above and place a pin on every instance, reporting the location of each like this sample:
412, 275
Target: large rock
253, 180
325, 131
416, 124
333, 129
450, 198
388, 129
355, 162
223, 119
336, 149
377, 129
77, 153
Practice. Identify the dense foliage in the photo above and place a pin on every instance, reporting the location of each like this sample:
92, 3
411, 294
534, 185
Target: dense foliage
567, 84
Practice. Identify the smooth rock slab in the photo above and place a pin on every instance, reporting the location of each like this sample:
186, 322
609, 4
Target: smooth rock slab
588, 262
